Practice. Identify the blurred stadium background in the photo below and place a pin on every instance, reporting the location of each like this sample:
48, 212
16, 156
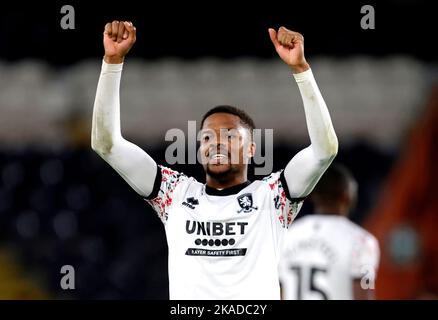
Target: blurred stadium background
60, 204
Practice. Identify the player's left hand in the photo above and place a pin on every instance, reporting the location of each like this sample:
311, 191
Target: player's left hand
290, 47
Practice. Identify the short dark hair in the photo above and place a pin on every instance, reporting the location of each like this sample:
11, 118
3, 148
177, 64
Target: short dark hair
245, 119
333, 184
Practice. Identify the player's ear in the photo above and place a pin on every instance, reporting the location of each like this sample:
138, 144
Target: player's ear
251, 149
345, 198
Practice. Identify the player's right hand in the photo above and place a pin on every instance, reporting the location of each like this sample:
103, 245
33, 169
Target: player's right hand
118, 39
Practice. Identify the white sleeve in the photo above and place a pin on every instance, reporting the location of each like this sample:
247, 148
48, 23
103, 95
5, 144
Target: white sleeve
365, 257
131, 162
307, 166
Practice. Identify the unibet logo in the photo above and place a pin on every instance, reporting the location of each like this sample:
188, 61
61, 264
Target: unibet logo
215, 228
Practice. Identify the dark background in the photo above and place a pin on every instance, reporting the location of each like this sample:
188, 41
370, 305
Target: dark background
117, 244
226, 29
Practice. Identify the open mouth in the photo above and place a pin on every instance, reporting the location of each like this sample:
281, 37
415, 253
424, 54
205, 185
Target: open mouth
217, 158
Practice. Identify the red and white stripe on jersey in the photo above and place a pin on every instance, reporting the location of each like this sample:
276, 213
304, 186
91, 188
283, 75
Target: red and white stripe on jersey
285, 208
169, 180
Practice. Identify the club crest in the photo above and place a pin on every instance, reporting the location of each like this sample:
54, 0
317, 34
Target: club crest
245, 203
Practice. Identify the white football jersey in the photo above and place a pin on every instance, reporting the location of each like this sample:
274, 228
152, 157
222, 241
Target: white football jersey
223, 244
322, 254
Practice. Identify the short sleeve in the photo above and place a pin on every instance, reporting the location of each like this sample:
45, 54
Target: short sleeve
365, 256
163, 194
284, 207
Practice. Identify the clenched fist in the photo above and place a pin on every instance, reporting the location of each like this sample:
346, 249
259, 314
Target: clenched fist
290, 47
118, 39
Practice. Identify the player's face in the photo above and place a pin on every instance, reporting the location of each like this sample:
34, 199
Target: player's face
226, 145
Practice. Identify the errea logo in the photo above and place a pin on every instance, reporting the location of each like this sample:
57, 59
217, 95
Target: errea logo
191, 202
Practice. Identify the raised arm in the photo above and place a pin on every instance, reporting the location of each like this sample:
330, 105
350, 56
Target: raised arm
307, 166
131, 162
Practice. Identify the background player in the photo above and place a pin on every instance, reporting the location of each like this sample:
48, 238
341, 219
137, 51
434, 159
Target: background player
326, 256
223, 236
